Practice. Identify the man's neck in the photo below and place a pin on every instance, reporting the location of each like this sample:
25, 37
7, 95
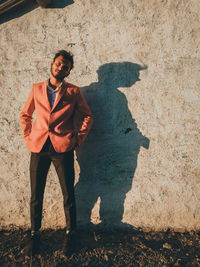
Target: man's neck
54, 81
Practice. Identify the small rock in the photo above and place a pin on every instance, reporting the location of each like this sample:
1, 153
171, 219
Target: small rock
106, 257
166, 245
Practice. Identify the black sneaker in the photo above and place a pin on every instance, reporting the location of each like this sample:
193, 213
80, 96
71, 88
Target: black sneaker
33, 244
69, 244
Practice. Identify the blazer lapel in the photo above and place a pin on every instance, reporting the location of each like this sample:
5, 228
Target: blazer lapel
45, 94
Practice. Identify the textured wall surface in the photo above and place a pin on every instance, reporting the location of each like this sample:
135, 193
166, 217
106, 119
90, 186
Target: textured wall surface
138, 63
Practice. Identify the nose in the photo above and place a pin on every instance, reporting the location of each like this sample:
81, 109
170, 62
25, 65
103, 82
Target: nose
60, 67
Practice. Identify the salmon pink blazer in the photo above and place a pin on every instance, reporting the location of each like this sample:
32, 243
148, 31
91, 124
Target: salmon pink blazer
61, 123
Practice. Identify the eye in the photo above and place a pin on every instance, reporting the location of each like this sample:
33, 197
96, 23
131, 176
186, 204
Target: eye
65, 67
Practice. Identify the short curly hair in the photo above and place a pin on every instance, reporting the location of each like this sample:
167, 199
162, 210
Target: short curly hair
66, 55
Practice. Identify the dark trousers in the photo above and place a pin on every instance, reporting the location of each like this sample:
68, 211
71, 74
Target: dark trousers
39, 166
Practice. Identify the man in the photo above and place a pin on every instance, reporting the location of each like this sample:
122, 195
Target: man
55, 133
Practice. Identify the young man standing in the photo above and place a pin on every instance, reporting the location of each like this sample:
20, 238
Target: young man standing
52, 138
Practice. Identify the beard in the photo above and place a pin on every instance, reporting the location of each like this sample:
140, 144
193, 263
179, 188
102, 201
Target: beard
58, 75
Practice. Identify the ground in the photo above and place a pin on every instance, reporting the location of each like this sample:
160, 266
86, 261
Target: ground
104, 248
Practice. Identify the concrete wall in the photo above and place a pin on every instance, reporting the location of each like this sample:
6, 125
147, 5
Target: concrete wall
138, 64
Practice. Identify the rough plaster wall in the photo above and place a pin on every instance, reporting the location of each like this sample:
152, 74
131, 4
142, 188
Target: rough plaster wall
140, 164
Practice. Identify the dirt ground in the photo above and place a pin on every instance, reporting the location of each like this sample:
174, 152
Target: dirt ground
104, 248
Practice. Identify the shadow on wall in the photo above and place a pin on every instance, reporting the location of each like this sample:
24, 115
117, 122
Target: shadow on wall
108, 159
29, 5
60, 3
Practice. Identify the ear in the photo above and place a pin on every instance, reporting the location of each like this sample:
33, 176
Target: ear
67, 72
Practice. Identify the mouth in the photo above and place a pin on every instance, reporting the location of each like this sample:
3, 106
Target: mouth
58, 72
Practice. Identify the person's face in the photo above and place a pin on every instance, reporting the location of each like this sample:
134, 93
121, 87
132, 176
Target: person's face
60, 68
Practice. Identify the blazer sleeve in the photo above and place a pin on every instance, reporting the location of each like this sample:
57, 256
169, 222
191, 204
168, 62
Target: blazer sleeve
85, 117
26, 115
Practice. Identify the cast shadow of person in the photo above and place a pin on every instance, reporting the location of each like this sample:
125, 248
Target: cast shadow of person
108, 158
27, 6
